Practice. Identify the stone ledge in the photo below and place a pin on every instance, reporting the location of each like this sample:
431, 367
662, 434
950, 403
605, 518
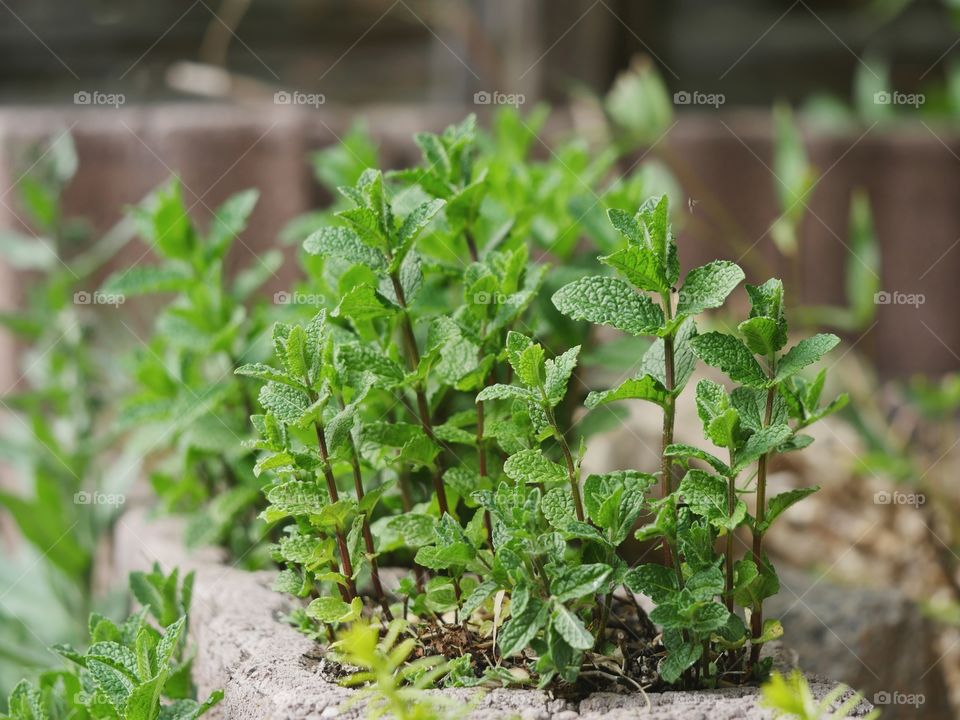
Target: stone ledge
269, 670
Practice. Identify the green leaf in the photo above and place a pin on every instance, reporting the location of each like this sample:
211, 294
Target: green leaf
780, 503
362, 303
706, 494
571, 629
627, 225
767, 301
296, 357
145, 279
806, 352
761, 334
575, 582
752, 585
441, 557
609, 301
334, 610
526, 620
689, 451
268, 374
343, 243
731, 356
412, 226
760, 443
230, 219
530, 367
558, 372
708, 286
286, 403
772, 630
706, 584
640, 266
654, 217
678, 660
638, 388
659, 583
501, 392
530, 466
709, 617
558, 509
684, 360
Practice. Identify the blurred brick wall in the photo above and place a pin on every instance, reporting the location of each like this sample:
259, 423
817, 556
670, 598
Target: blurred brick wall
912, 177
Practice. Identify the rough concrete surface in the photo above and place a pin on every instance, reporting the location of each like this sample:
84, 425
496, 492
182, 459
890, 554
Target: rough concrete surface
269, 671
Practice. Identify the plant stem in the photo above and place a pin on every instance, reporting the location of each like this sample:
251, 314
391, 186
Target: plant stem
669, 414
731, 506
756, 615
345, 564
567, 458
367, 536
423, 407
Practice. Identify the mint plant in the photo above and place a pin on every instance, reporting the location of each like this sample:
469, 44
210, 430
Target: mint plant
136, 670
417, 421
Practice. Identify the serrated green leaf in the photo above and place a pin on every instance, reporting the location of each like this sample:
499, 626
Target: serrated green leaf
640, 266
761, 335
571, 629
344, 243
708, 286
609, 301
530, 466
731, 356
558, 372
334, 610
678, 660
362, 303
638, 388
760, 443
501, 392
575, 582
806, 352
780, 503
658, 582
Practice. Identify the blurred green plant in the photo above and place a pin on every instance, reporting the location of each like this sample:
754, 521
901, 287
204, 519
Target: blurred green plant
185, 406
791, 697
391, 684
60, 495
134, 670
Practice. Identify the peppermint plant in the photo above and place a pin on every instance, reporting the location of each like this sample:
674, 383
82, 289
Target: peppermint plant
769, 396
135, 670
421, 420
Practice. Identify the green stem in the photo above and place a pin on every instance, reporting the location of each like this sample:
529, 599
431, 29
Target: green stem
345, 565
423, 407
669, 417
756, 615
567, 458
731, 506
367, 535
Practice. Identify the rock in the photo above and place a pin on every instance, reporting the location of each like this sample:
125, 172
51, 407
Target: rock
269, 670
877, 641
